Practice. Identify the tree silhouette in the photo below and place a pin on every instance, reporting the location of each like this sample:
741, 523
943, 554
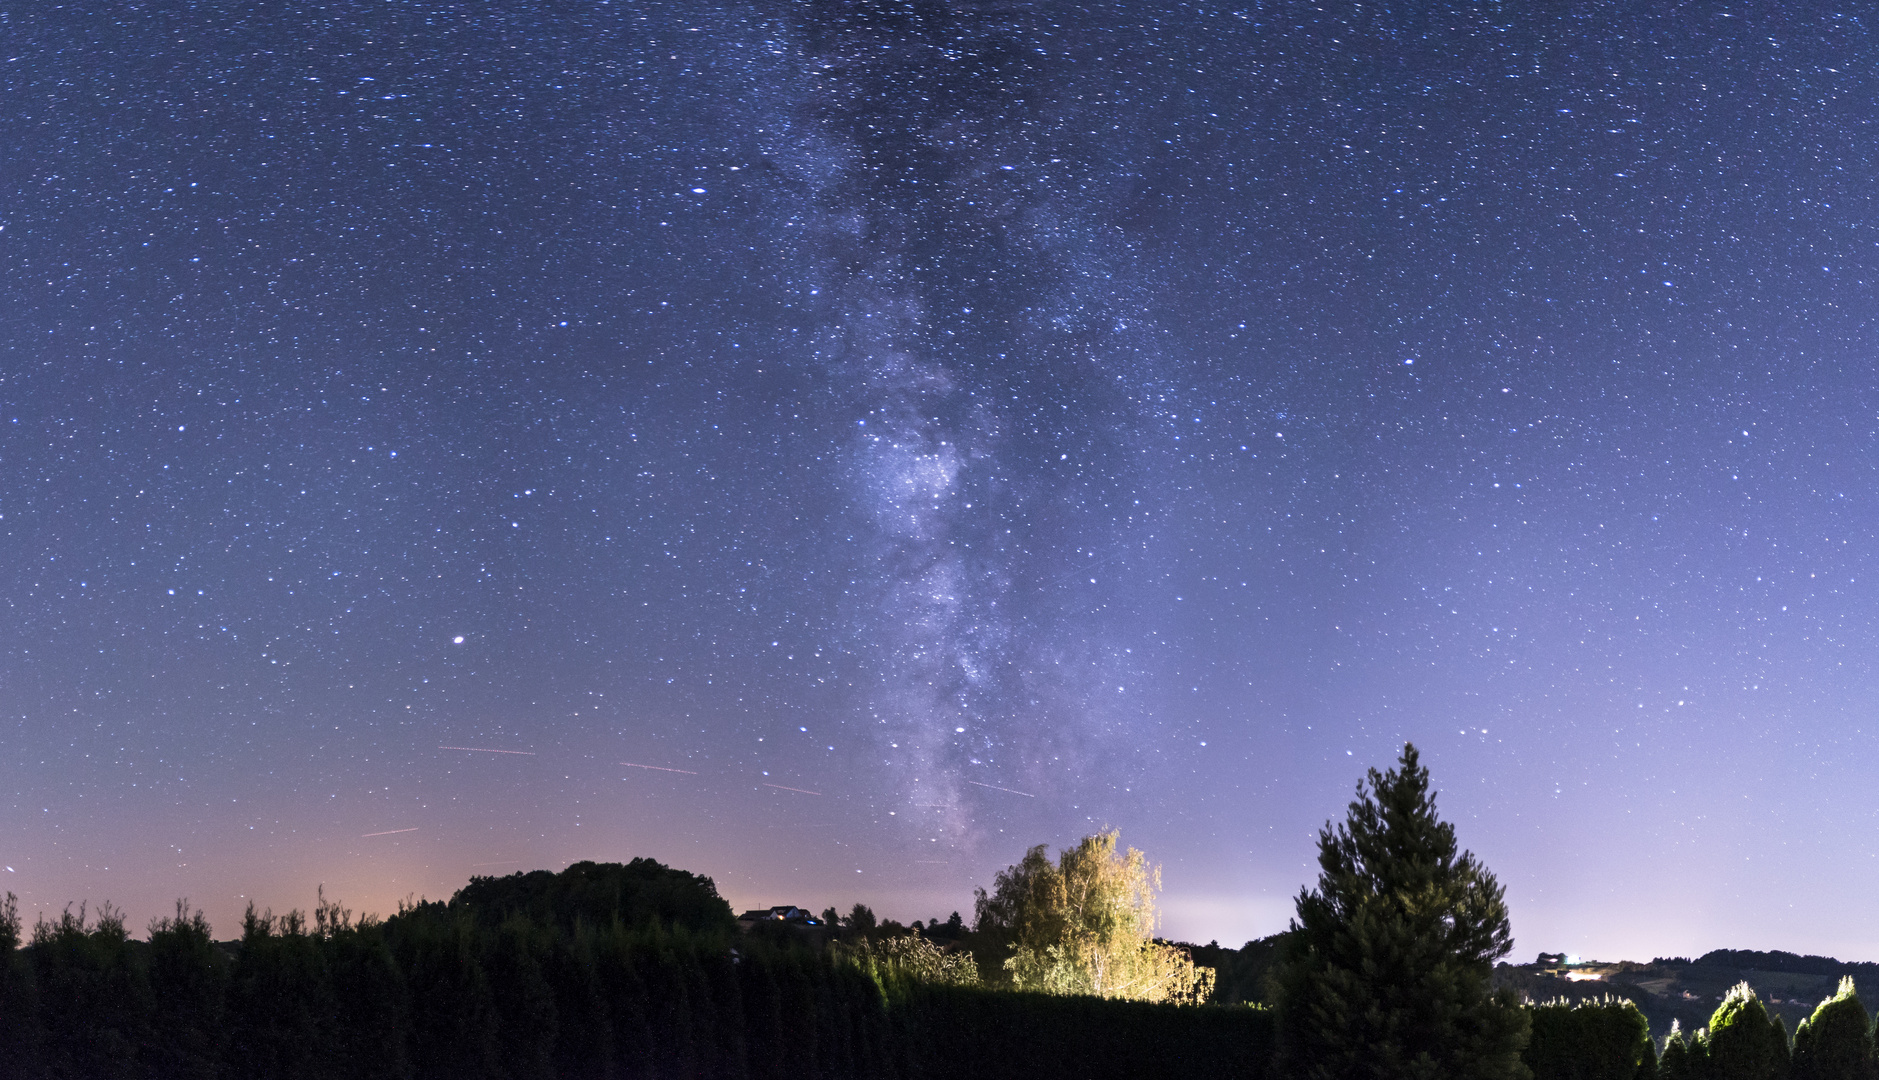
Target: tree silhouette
1388, 965
1744, 1042
19, 1009
188, 985
1836, 1042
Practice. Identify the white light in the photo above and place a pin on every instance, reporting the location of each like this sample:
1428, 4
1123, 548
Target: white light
458, 639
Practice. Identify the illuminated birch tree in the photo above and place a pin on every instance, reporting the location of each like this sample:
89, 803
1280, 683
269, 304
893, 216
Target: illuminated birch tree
1086, 925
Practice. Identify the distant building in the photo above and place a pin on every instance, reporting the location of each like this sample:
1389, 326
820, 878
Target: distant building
787, 914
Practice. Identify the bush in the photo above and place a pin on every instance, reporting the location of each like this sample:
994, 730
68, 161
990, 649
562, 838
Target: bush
1835, 1043
1607, 1039
1744, 1042
1682, 1058
189, 991
19, 1008
94, 1002
280, 1000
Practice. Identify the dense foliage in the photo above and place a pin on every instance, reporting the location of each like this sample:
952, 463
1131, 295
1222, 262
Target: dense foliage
910, 956
1240, 975
1388, 968
1744, 1042
635, 894
1085, 925
442, 990
1682, 1058
1836, 1043
1590, 1040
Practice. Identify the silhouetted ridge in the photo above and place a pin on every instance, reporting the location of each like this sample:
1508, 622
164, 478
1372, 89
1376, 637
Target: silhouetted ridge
1785, 961
599, 894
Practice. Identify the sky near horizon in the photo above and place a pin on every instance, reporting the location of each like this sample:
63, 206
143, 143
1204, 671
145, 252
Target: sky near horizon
832, 447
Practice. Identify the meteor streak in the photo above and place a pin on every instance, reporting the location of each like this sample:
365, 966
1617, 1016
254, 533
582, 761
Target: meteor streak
388, 832
1007, 790
795, 789
661, 768
486, 750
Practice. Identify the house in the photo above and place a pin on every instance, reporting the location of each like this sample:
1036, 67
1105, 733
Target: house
787, 914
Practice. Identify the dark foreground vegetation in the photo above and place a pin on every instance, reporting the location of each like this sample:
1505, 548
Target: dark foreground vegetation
600, 971
609, 971
1683, 991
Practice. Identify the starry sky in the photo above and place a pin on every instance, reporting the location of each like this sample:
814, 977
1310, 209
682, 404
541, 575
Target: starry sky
834, 446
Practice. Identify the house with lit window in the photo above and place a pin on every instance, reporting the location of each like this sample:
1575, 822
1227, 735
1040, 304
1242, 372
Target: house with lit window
787, 914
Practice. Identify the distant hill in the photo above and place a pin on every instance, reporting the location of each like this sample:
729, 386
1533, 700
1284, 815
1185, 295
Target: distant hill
1688, 991
1749, 959
1666, 989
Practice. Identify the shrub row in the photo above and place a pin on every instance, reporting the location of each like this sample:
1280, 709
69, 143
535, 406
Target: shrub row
1610, 1039
434, 994
437, 993
1607, 1039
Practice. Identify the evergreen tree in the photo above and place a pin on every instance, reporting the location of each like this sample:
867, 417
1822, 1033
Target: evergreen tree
1677, 1061
584, 1050
861, 918
19, 1012
1604, 1039
1389, 963
188, 984
280, 1000
94, 1000
1836, 1043
370, 1007
1744, 1043
453, 1005
525, 1006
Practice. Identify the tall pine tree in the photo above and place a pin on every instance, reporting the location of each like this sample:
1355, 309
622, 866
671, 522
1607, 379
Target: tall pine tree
1388, 966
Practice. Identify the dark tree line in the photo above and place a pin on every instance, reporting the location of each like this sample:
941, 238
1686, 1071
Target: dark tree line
601, 971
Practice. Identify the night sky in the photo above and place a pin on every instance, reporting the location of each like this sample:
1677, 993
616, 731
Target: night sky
833, 447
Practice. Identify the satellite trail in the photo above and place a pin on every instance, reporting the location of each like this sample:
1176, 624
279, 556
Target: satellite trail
388, 832
486, 750
661, 768
1007, 790
795, 789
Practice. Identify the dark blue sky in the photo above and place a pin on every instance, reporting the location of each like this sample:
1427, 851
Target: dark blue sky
907, 433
